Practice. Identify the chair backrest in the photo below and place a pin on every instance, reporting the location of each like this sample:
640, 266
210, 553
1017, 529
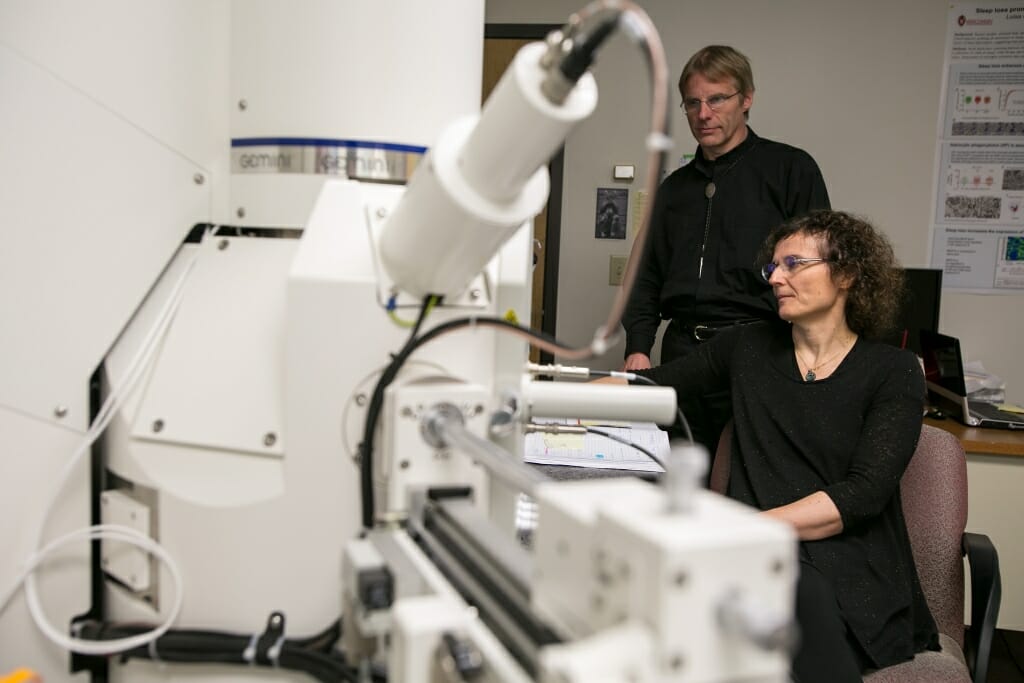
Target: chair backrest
934, 495
719, 480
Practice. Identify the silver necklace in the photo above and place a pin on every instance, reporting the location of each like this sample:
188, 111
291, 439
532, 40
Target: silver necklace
811, 376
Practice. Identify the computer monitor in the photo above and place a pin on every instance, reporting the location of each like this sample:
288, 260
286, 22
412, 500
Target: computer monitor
919, 309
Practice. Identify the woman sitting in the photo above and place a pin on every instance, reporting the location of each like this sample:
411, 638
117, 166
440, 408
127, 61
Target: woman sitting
825, 422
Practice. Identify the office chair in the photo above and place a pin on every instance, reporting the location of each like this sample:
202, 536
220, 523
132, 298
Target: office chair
934, 495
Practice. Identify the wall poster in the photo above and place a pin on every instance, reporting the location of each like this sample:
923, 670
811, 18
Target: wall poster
978, 226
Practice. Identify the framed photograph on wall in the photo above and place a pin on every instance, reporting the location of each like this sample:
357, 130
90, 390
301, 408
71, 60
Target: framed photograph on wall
610, 214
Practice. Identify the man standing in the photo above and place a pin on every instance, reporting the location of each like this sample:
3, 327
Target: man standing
708, 222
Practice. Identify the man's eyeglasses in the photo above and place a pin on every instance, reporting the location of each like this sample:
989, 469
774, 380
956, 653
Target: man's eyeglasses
692, 104
787, 265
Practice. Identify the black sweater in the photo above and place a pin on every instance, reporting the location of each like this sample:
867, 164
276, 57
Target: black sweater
850, 435
758, 185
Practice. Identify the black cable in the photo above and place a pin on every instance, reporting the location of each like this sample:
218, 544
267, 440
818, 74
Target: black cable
582, 54
627, 442
388, 376
647, 380
314, 655
323, 641
373, 415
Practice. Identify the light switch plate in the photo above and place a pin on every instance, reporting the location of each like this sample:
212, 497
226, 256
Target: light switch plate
624, 172
616, 269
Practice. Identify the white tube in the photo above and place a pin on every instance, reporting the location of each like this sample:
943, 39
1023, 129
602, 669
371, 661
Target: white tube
520, 129
599, 402
482, 180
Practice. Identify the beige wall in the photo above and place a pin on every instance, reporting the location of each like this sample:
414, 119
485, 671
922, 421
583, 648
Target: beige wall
855, 84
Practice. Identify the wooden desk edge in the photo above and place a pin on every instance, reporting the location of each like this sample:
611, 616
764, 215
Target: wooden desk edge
983, 441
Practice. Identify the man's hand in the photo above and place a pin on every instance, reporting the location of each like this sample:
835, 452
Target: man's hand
636, 361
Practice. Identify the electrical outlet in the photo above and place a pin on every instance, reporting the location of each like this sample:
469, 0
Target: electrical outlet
616, 269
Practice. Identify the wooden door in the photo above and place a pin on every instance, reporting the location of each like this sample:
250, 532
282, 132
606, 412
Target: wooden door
498, 54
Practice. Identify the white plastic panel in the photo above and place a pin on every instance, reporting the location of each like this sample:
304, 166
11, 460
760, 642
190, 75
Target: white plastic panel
356, 69
203, 476
34, 453
91, 210
160, 65
218, 381
128, 563
369, 71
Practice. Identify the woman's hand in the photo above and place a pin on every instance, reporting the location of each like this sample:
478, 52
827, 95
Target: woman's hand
814, 517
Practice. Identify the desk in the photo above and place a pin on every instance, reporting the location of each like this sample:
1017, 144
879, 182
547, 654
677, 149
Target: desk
989, 441
995, 504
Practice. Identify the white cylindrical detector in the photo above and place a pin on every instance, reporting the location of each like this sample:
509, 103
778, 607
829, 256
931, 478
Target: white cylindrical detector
482, 180
599, 401
520, 129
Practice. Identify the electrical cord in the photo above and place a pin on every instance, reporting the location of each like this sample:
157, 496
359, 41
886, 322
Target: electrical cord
134, 372
632, 376
373, 414
366, 448
392, 305
615, 437
638, 26
679, 411
314, 655
347, 437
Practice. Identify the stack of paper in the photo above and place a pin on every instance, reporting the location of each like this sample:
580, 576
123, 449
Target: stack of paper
593, 450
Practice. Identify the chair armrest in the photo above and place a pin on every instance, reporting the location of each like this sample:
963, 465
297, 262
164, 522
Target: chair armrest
986, 593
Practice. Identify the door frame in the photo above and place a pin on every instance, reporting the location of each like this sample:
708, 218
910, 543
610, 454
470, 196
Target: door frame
556, 169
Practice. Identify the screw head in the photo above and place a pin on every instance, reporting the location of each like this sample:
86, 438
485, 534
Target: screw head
404, 464
382, 212
158, 426
223, 244
474, 294
60, 412
269, 439
240, 212
242, 105
199, 179
360, 400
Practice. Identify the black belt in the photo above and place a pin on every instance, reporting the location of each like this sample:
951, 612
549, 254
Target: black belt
705, 331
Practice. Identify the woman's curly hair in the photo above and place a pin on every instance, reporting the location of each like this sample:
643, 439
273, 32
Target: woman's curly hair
854, 249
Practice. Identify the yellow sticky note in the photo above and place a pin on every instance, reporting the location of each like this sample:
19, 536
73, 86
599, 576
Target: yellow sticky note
1010, 408
564, 441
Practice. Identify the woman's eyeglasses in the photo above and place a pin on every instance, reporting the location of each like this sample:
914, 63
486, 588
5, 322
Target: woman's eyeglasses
787, 264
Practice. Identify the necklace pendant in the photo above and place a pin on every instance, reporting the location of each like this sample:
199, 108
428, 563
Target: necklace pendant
709, 190
810, 376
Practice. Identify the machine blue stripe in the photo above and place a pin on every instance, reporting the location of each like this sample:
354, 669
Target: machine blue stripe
326, 142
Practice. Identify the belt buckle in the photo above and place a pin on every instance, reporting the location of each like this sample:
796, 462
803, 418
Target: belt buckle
699, 329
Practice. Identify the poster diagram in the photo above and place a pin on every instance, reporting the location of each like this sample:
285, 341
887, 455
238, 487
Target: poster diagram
979, 212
